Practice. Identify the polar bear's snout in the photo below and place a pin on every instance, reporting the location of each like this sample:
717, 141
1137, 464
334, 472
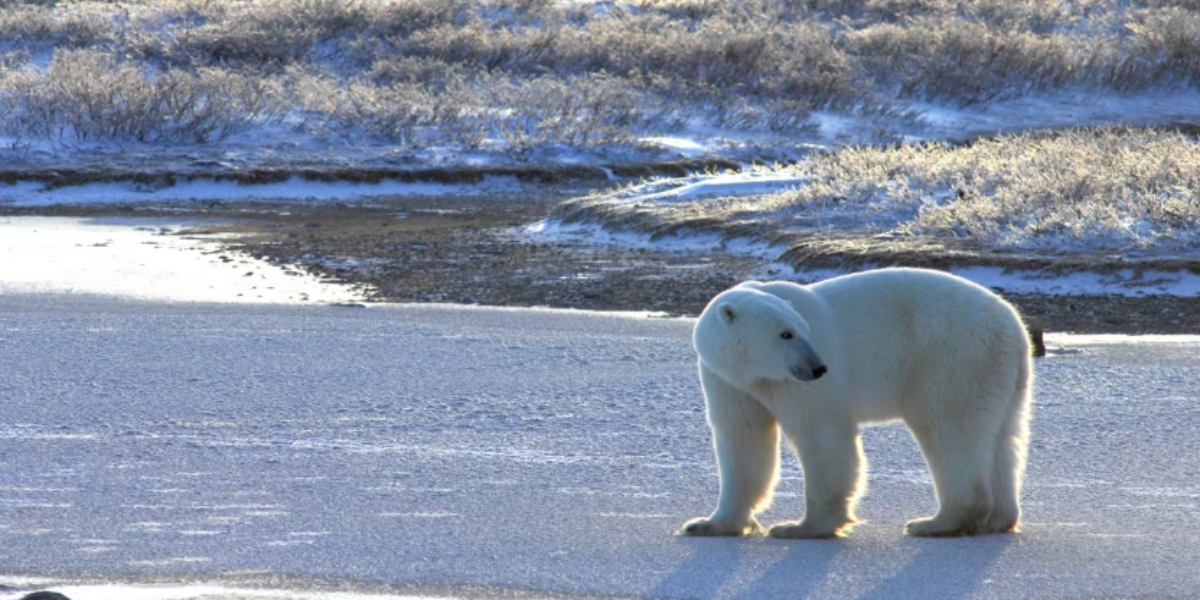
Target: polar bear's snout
807, 373
811, 367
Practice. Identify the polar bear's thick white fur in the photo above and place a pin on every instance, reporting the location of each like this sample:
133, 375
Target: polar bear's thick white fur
945, 356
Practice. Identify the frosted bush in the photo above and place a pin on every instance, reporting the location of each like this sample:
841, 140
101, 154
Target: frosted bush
88, 95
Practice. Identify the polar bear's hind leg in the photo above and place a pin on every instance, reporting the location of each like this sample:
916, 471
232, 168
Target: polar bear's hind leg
961, 463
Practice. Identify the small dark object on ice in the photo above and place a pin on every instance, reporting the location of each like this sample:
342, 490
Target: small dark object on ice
45, 596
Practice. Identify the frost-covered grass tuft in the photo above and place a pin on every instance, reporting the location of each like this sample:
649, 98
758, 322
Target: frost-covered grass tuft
1124, 190
1101, 189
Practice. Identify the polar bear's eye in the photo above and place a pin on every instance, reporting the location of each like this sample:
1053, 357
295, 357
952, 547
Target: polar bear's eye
787, 335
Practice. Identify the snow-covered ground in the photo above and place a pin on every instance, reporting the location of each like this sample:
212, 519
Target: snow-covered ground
466, 452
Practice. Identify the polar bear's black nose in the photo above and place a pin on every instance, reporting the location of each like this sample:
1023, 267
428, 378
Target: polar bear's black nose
819, 371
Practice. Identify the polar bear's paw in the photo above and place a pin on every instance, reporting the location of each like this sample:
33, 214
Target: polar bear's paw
707, 526
807, 530
943, 527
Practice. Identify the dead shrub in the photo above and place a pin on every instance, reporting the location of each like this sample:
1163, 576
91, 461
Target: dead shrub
1163, 46
963, 61
269, 32
577, 111
401, 18
32, 26
408, 114
87, 95
750, 64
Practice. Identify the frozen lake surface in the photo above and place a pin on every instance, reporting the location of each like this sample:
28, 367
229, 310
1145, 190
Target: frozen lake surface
433, 450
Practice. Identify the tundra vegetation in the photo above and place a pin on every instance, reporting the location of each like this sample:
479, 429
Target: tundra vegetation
1108, 189
513, 76
465, 73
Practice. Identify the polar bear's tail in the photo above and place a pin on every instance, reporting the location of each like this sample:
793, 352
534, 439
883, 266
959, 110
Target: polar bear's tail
1012, 448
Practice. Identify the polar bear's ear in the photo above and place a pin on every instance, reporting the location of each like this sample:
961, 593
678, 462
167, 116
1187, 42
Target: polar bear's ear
727, 313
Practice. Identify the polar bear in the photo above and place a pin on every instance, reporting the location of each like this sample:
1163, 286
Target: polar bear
945, 356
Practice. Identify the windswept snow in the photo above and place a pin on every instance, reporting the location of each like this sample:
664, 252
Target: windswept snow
549, 230
684, 146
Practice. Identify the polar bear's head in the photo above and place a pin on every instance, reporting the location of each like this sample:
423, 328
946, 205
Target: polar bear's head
745, 334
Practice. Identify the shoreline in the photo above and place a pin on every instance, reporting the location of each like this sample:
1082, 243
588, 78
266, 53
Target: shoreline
463, 251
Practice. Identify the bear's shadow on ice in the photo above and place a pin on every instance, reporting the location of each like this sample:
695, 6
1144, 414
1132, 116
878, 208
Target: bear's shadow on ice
941, 568
801, 570
703, 574
714, 562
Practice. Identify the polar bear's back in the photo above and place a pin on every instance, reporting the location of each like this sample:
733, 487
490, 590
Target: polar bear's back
899, 335
919, 306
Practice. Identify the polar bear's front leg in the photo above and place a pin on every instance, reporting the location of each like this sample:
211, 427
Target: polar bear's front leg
833, 462
746, 440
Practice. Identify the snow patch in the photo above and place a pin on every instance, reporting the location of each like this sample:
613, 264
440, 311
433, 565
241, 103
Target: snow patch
551, 231
144, 259
1114, 339
684, 146
678, 189
1056, 110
